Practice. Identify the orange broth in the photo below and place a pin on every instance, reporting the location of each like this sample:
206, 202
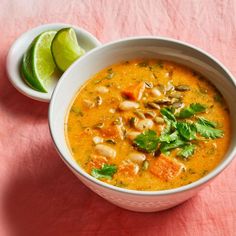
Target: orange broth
98, 118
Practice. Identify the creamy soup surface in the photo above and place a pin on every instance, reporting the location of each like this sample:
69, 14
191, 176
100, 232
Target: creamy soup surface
148, 125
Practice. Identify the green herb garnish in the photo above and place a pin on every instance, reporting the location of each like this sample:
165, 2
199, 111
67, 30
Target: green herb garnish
106, 172
168, 138
165, 147
168, 128
206, 122
187, 151
193, 109
186, 130
207, 130
167, 112
77, 111
178, 134
147, 141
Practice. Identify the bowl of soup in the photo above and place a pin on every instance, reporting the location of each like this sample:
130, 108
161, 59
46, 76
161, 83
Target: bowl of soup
145, 122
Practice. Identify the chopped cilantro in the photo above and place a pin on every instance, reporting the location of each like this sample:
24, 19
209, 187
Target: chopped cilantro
191, 110
166, 147
77, 111
168, 127
106, 172
166, 112
187, 151
147, 141
206, 122
186, 130
208, 131
178, 134
169, 137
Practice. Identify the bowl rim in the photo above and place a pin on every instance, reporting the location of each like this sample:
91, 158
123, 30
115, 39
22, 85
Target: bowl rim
11, 63
78, 170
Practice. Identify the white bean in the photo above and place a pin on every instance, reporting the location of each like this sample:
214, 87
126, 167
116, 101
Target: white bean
137, 157
112, 110
89, 103
102, 89
132, 134
97, 139
128, 105
144, 124
156, 92
105, 151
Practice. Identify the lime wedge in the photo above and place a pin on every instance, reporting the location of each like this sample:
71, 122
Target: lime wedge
38, 65
65, 48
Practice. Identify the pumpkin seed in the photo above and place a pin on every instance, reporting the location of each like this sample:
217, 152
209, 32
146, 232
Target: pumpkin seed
98, 125
150, 113
182, 88
111, 141
176, 95
177, 105
153, 105
139, 114
163, 101
161, 88
98, 100
117, 121
159, 120
148, 85
169, 87
133, 121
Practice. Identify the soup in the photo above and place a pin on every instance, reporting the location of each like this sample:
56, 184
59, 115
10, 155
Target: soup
148, 125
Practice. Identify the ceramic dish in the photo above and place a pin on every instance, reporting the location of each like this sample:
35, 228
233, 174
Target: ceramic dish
85, 39
126, 49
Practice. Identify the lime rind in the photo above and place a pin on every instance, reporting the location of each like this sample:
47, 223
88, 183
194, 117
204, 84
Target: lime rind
37, 63
65, 48
43, 64
27, 70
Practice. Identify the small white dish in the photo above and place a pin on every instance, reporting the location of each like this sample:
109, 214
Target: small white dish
86, 40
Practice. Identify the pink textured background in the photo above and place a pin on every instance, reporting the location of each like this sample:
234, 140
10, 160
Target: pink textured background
38, 194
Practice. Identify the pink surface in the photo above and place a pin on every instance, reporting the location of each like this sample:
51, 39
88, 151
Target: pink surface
38, 193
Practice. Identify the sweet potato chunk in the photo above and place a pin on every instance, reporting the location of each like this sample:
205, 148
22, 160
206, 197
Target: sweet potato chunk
96, 162
134, 92
165, 168
112, 132
128, 168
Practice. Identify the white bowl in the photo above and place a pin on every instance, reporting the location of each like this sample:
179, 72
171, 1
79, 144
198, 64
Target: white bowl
140, 47
19, 47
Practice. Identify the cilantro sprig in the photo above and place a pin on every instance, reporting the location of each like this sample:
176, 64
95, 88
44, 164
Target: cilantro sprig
147, 141
179, 133
187, 151
106, 172
191, 110
207, 129
186, 130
